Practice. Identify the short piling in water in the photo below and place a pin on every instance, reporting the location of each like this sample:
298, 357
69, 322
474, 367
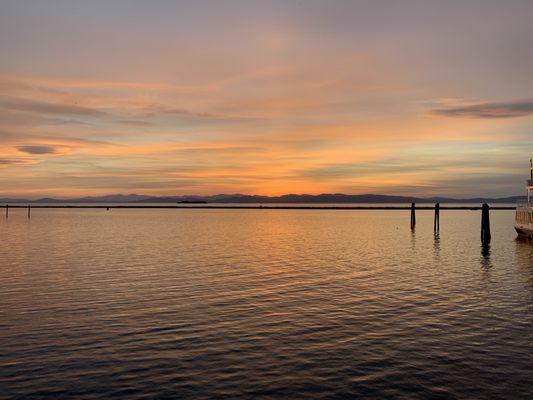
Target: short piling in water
436, 222
413, 216
29, 211
7, 211
485, 224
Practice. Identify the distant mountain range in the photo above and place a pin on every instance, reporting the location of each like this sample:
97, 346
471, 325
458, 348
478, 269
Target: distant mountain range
287, 198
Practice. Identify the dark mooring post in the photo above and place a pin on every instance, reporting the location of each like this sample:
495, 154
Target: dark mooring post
485, 224
29, 211
436, 222
7, 211
413, 216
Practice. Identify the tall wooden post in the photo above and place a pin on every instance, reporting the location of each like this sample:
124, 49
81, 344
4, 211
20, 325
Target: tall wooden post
485, 225
7, 211
29, 211
413, 216
436, 222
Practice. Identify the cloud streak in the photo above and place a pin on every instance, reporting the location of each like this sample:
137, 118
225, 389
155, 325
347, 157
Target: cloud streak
14, 161
37, 149
41, 107
510, 109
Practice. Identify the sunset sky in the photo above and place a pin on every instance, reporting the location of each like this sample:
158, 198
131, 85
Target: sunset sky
204, 97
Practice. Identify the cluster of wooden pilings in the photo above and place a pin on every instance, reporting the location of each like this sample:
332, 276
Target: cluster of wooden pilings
28, 207
485, 221
436, 221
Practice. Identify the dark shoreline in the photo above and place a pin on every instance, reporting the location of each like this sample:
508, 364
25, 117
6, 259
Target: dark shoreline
254, 207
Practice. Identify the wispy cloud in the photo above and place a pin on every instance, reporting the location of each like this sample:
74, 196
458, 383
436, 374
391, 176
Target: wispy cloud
14, 161
366, 169
42, 107
509, 109
134, 122
188, 114
30, 83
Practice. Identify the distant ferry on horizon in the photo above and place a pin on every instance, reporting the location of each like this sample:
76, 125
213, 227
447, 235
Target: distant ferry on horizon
192, 202
524, 212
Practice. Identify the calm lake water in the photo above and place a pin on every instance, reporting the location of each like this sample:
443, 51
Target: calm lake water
262, 304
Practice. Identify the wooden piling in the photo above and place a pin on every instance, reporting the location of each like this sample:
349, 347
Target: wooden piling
436, 222
29, 211
485, 225
413, 216
7, 211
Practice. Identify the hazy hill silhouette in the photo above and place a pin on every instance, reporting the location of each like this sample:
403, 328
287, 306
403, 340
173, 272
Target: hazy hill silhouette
287, 198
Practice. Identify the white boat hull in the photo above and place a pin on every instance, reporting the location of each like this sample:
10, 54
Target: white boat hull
524, 212
524, 231
524, 221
